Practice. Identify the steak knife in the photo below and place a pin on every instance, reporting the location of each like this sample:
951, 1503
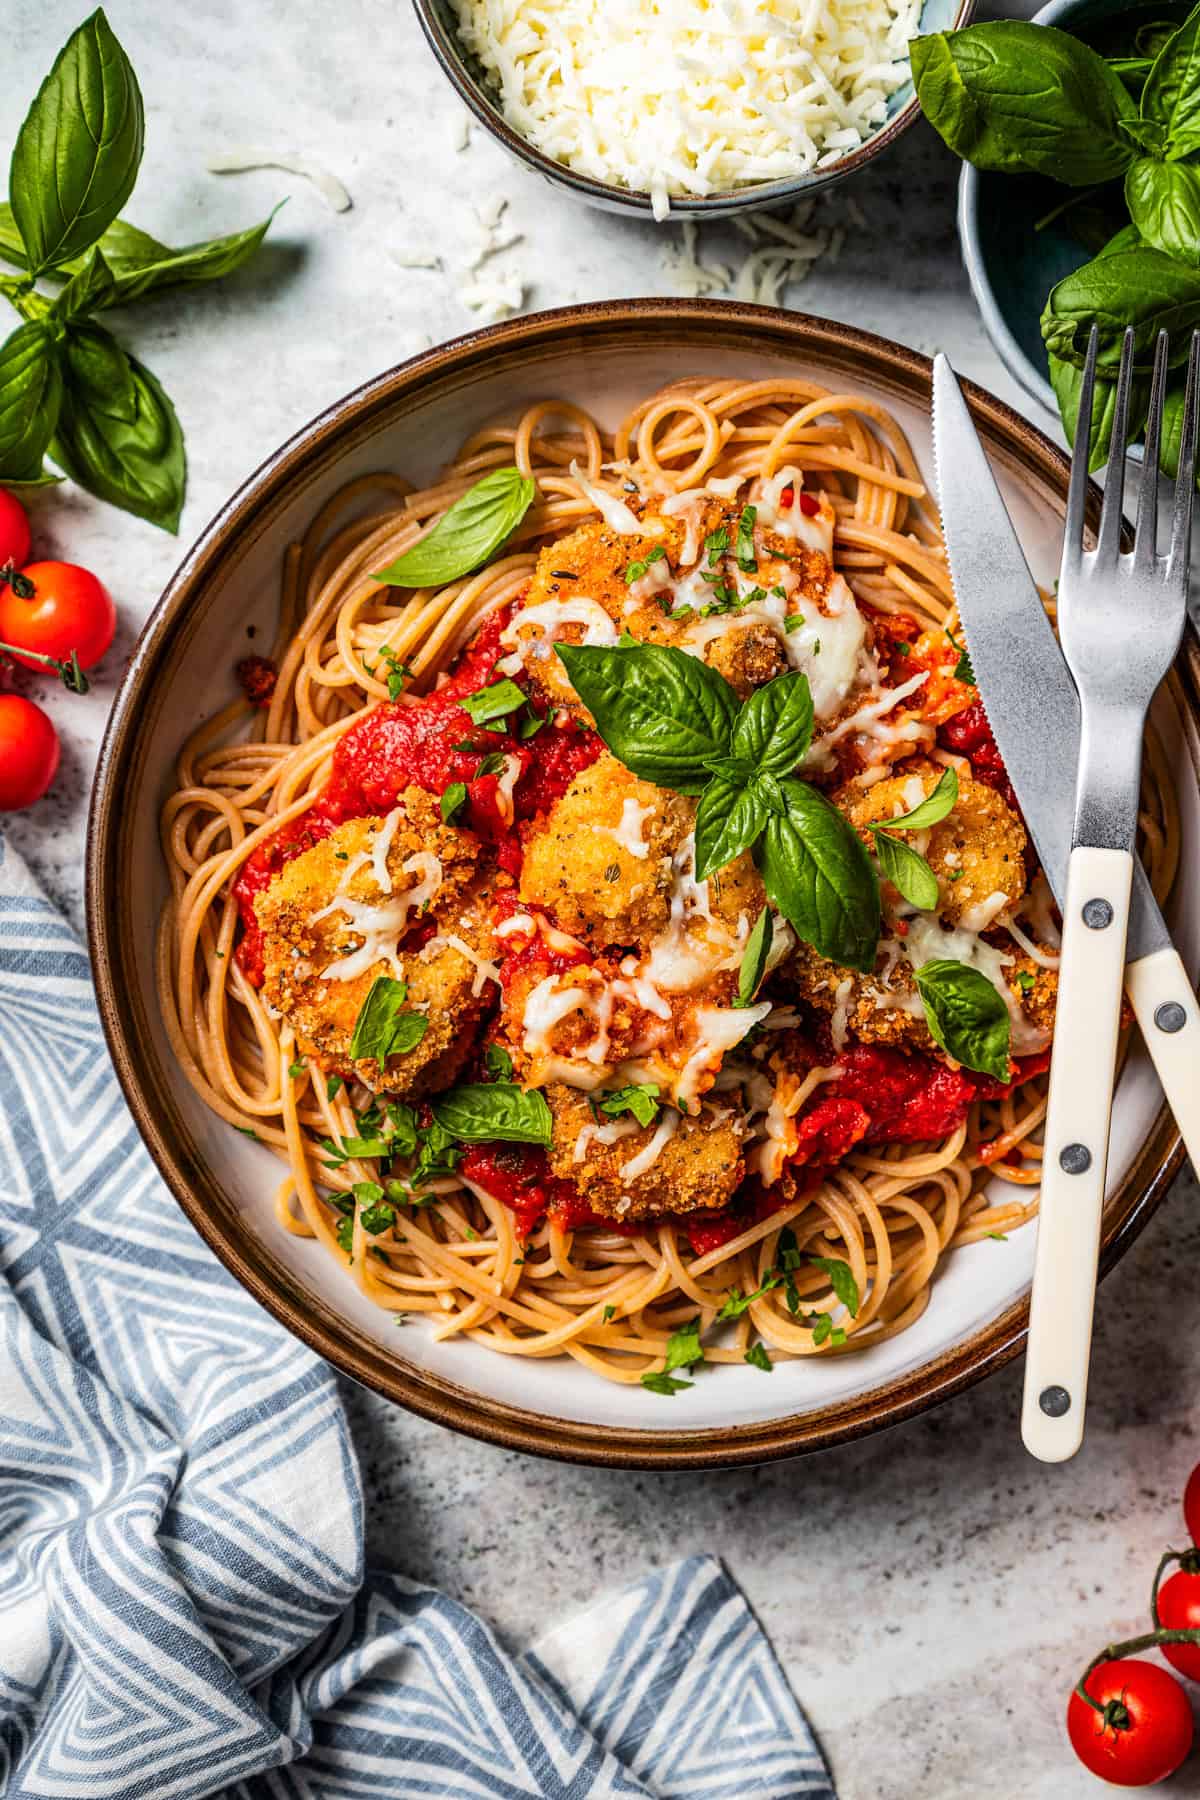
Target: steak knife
1033, 710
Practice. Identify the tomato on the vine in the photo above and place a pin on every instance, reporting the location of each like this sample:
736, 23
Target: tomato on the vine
28, 752
1179, 1610
1144, 1729
1191, 1505
14, 531
68, 610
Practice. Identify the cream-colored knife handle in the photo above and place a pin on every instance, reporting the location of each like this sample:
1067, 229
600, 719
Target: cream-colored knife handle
1169, 1016
1086, 1025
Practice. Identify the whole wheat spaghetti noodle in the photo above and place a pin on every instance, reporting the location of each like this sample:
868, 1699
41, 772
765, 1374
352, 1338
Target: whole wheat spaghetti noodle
612, 1292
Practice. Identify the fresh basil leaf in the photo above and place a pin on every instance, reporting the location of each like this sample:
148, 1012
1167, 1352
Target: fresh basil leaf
77, 154
1171, 96
12, 250
31, 387
1139, 287
381, 1028
1067, 382
1018, 97
498, 1063
1133, 71
495, 702
684, 1348
141, 265
136, 462
754, 958
906, 870
744, 551
817, 872
728, 819
453, 800
661, 712
466, 534
1172, 430
774, 728
841, 1280
86, 290
936, 806
641, 1101
758, 1358
1164, 203
966, 1016
95, 364
494, 1112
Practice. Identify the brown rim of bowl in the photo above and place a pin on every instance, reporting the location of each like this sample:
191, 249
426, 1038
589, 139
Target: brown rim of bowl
633, 201
730, 325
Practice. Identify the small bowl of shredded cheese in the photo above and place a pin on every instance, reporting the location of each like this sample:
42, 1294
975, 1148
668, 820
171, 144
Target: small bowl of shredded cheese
687, 107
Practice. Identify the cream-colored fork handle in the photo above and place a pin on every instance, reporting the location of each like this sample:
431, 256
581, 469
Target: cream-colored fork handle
1169, 1016
1086, 1025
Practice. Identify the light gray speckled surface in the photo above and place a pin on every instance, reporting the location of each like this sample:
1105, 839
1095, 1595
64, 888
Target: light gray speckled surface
932, 1593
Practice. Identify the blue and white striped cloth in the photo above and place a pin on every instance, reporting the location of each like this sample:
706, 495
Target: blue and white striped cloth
183, 1605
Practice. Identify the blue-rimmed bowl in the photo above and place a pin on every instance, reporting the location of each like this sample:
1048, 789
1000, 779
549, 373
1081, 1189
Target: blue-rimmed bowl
468, 81
1012, 265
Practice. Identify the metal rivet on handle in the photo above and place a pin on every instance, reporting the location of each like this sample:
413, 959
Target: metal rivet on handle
1170, 1016
1097, 914
1075, 1159
1054, 1401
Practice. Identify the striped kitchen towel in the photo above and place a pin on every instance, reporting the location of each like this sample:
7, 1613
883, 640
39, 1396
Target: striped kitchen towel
183, 1605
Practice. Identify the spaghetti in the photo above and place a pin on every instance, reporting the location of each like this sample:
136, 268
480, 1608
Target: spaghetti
612, 1294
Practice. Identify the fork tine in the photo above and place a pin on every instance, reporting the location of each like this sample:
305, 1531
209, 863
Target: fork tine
1109, 540
1080, 451
1146, 539
1179, 558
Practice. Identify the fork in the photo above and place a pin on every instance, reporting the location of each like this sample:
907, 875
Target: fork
1120, 620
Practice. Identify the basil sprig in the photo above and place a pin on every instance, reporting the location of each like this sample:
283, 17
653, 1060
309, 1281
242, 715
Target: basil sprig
754, 959
495, 1112
640, 1100
1011, 96
382, 1029
966, 1016
675, 721
67, 388
904, 868
466, 534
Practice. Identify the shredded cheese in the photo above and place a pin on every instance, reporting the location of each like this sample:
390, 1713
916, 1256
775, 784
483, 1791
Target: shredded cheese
381, 927
628, 832
692, 97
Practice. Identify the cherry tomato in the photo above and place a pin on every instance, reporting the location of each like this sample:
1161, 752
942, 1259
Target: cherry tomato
1179, 1610
14, 531
69, 610
1146, 1729
28, 752
1191, 1505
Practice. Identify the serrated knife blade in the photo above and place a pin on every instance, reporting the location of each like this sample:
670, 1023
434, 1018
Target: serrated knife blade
1023, 679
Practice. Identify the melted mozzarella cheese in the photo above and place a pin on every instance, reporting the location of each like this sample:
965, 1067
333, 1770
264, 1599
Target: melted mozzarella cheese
485, 970
551, 615
611, 1133
868, 721
984, 912
380, 846
505, 783
646, 1158
628, 833
617, 515
813, 530
718, 1029
547, 1005
381, 927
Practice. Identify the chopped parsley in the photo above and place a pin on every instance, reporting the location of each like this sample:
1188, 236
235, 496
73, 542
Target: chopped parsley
716, 543
497, 1063
494, 702
397, 672
531, 725
1024, 981
247, 1131
841, 1280
641, 1101
744, 552
296, 1070
737, 1303
636, 570
453, 801
824, 1331
333, 1086
610, 1312
963, 670
492, 764
793, 622
374, 1213
1001, 1237
662, 1383
757, 1357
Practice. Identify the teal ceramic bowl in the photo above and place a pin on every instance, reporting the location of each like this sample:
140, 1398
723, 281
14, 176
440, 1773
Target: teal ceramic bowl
1011, 264
438, 24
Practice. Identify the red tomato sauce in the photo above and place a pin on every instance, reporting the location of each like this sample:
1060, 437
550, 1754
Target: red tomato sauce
519, 1176
969, 734
429, 743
